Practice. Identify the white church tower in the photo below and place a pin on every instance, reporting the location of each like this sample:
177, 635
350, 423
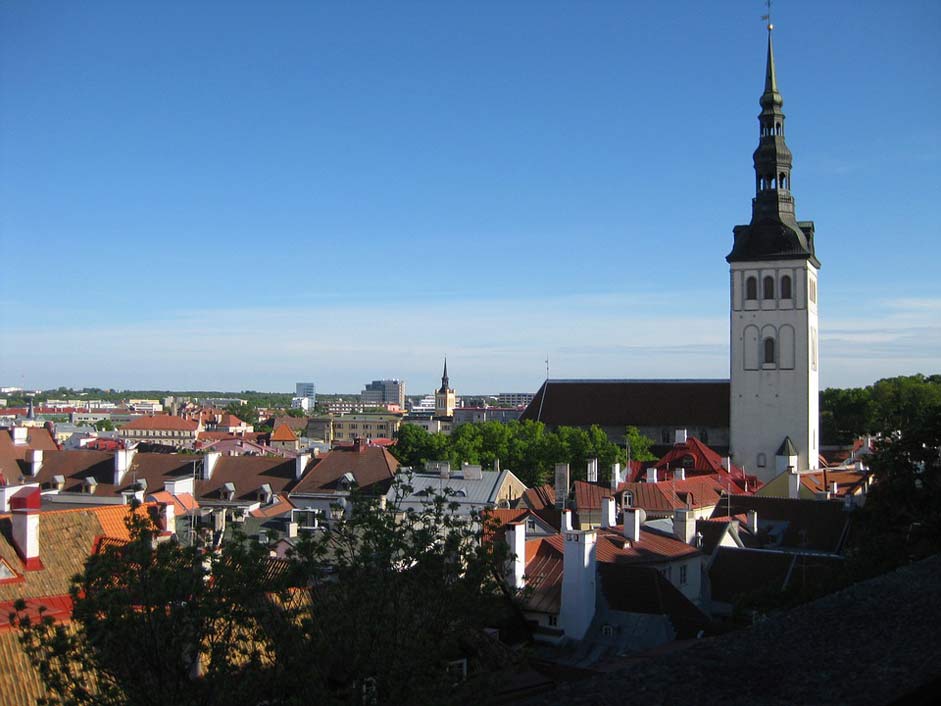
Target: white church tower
774, 363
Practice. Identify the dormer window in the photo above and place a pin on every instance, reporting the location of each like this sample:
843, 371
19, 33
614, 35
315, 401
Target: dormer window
688, 461
228, 491
265, 495
627, 499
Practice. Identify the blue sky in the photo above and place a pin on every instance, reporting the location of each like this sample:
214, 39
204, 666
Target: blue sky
239, 195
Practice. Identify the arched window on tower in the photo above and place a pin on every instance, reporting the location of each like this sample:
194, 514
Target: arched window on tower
751, 288
786, 287
768, 288
782, 180
768, 357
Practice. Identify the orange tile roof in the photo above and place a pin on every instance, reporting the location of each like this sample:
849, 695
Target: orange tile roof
283, 433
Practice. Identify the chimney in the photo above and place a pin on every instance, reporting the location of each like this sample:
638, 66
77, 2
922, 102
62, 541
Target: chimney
292, 530
608, 517
359, 444
20, 436
727, 463
652, 474
122, 464
209, 464
496, 465
300, 464
561, 484
632, 520
25, 508
34, 458
833, 488
516, 539
680, 437
793, 483
566, 520
753, 521
592, 473
578, 583
684, 525
444, 469
679, 474
167, 519
615, 476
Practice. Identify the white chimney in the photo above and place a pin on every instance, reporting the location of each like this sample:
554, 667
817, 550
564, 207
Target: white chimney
652, 475
632, 520
608, 515
123, 458
793, 483
566, 520
727, 463
300, 464
516, 539
34, 458
679, 474
444, 470
833, 488
209, 464
561, 484
684, 525
615, 476
167, 519
292, 530
680, 436
592, 470
753, 521
578, 583
25, 505
20, 436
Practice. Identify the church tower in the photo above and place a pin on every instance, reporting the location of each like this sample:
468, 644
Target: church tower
444, 398
774, 367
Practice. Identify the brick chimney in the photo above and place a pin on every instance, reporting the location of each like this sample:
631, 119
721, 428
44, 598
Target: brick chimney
516, 539
25, 505
359, 444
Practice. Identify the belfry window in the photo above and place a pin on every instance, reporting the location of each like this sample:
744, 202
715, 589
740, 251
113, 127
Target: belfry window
768, 358
786, 287
768, 288
751, 288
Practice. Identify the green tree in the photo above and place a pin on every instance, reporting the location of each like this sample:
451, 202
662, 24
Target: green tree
411, 445
381, 601
638, 445
104, 425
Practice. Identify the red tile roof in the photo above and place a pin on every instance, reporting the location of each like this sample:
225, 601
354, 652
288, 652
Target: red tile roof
369, 465
540, 497
162, 422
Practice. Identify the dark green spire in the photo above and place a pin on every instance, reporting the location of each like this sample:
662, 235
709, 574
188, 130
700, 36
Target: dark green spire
774, 232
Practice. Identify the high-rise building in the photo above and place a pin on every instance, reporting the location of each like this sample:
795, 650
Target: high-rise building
774, 331
305, 396
380, 392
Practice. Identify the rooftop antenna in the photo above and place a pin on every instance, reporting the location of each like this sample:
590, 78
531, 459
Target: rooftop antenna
545, 391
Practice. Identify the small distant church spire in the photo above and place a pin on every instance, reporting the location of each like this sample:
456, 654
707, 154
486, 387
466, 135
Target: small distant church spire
444, 377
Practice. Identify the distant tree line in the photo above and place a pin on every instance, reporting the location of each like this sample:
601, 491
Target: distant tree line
884, 407
527, 448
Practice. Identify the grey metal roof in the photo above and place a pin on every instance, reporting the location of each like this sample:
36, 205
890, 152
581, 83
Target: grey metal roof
469, 493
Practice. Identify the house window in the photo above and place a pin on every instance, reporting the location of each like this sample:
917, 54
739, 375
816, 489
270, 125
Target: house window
769, 351
762, 461
683, 575
665, 436
627, 499
751, 288
704, 436
553, 621
607, 630
786, 287
813, 290
768, 288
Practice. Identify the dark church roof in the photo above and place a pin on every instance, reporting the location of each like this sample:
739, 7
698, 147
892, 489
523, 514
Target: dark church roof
611, 403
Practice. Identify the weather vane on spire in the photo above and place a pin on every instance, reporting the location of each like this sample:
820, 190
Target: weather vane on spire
767, 17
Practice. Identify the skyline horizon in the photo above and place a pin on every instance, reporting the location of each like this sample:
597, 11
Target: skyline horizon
250, 197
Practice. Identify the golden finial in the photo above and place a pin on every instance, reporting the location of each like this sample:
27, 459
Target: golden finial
768, 16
